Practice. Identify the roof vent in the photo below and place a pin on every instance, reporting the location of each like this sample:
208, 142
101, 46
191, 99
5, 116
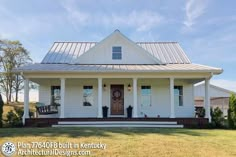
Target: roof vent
117, 30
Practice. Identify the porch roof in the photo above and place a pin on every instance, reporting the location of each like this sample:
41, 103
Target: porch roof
37, 67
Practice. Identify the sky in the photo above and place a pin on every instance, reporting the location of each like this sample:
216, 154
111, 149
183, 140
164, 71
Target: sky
206, 29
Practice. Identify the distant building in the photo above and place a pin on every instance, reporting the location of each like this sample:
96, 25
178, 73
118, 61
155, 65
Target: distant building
219, 97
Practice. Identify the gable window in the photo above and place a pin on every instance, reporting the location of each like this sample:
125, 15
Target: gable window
145, 96
88, 96
116, 53
178, 90
55, 95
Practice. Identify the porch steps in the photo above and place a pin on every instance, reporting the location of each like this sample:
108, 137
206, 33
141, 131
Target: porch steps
149, 124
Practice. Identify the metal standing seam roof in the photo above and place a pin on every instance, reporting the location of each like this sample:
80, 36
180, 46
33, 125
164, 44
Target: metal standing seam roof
118, 68
68, 52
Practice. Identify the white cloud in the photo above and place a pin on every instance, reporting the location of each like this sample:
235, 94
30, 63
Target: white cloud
143, 20
227, 84
194, 9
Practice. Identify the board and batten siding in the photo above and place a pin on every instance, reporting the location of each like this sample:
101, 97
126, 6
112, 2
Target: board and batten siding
74, 98
188, 109
45, 94
160, 100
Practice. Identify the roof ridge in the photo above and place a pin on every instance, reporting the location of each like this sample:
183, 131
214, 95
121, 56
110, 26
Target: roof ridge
75, 42
159, 42
145, 42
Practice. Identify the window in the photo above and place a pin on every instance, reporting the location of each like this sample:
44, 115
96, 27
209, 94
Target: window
178, 90
55, 95
116, 52
88, 96
145, 96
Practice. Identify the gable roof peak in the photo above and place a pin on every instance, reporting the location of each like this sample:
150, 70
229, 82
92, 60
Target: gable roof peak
160, 52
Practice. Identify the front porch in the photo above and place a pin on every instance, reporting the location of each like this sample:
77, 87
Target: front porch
152, 98
127, 122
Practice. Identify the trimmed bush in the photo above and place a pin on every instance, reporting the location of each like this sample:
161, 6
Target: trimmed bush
217, 120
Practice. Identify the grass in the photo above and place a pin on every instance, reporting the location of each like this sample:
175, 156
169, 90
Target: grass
134, 142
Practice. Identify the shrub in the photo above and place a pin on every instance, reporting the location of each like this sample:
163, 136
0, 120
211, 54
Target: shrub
14, 118
217, 118
232, 112
1, 111
19, 112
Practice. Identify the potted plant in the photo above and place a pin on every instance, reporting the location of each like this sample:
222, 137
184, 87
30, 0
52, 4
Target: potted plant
200, 112
104, 111
129, 111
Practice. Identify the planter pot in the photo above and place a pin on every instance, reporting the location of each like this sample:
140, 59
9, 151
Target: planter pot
129, 111
104, 111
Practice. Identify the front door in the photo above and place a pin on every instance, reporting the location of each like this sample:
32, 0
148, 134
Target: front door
117, 99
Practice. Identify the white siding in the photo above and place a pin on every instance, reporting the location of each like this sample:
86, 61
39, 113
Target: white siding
187, 110
199, 91
44, 94
74, 98
102, 53
160, 101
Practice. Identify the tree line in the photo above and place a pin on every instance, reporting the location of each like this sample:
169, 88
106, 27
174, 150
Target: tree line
12, 56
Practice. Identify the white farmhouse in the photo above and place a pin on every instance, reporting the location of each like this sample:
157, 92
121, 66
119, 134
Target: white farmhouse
155, 78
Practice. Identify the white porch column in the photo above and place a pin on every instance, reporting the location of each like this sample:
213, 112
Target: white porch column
172, 103
99, 98
26, 100
62, 107
135, 97
207, 100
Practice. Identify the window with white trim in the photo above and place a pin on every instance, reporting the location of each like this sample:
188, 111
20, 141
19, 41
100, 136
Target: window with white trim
146, 96
116, 52
55, 95
88, 96
178, 90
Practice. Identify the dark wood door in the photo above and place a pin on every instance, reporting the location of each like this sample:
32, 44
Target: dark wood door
117, 99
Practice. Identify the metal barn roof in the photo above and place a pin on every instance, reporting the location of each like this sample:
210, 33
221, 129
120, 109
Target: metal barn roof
68, 52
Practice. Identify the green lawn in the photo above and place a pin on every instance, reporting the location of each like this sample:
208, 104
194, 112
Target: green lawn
137, 142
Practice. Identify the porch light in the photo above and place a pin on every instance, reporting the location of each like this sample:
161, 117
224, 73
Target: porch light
104, 87
129, 87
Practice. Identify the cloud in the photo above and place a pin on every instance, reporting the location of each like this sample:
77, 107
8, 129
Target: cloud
194, 9
227, 84
13, 26
141, 21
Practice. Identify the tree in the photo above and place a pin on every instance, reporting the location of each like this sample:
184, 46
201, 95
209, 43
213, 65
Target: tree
232, 111
1, 110
13, 55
